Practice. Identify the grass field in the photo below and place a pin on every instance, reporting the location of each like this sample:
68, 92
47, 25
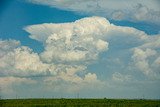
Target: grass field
78, 103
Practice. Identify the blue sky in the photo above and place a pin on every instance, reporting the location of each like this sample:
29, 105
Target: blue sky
24, 14
94, 48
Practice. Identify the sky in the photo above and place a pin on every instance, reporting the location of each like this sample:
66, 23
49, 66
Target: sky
80, 48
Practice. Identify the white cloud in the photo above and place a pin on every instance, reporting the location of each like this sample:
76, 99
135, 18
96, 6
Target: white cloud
157, 61
23, 55
21, 61
140, 59
118, 15
143, 13
7, 45
138, 13
118, 77
71, 82
144, 10
71, 42
83, 27
84, 39
153, 43
147, 61
90, 77
72, 55
102, 45
70, 47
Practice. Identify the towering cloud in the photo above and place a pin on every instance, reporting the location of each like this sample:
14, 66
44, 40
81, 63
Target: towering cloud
69, 48
82, 41
71, 42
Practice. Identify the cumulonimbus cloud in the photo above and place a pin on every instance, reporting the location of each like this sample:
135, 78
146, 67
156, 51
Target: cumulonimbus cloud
84, 39
70, 47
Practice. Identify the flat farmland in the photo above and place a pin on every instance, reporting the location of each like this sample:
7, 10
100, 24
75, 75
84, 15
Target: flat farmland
78, 103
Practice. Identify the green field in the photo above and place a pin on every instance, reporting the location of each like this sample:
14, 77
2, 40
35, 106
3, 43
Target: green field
78, 103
